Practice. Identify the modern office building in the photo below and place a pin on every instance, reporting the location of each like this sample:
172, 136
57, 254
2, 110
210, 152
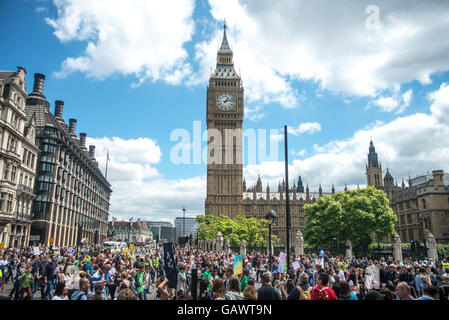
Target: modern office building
185, 227
72, 195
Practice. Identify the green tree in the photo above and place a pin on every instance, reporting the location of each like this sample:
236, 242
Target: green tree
351, 215
240, 228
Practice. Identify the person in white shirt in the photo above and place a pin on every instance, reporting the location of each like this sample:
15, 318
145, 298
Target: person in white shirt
341, 273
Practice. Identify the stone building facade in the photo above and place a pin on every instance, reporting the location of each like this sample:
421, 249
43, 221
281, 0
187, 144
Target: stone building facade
18, 159
224, 112
72, 195
129, 231
421, 206
258, 203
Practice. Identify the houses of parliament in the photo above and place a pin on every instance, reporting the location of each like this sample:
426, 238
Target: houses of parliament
420, 206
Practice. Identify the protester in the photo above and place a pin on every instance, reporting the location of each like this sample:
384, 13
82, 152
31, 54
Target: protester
94, 273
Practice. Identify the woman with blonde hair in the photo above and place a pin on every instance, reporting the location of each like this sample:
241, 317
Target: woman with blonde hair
250, 293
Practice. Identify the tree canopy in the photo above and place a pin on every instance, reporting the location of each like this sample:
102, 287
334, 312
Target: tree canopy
252, 230
353, 215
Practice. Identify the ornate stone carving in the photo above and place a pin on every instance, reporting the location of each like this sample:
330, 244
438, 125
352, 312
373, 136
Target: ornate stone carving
219, 242
227, 246
349, 249
397, 248
431, 245
243, 248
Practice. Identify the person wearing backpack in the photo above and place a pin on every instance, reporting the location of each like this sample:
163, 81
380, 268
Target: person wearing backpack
322, 291
81, 294
302, 291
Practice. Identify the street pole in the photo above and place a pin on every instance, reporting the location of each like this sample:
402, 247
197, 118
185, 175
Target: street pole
183, 221
287, 197
269, 243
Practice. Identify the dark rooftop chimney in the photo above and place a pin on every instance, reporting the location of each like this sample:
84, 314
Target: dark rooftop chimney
72, 126
83, 139
38, 86
92, 151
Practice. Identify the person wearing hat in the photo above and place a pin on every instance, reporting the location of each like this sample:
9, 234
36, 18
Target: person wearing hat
266, 291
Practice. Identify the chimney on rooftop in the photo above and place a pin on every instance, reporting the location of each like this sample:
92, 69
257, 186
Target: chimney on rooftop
92, 151
83, 137
38, 86
72, 126
59, 105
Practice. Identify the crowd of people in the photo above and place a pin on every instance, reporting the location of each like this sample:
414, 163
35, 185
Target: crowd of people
94, 273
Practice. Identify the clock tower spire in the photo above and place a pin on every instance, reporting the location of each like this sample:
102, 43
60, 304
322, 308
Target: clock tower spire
224, 117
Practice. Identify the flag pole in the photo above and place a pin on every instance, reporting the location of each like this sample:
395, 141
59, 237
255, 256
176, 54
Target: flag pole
106, 171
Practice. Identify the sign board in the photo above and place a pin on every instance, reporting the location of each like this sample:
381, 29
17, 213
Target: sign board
282, 262
295, 265
36, 251
52, 240
2, 245
131, 247
35, 238
238, 265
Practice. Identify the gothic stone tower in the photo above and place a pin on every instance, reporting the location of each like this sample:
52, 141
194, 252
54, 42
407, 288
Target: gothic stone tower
373, 170
224, 116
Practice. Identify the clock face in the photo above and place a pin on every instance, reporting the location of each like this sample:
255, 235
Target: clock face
225, 101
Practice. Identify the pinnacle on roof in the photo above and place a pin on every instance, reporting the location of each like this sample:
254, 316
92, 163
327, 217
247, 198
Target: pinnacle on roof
225, 48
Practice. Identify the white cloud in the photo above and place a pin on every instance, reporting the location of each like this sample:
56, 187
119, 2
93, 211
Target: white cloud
300, 153
411, 144
328, 42
140, 37
306, 127
396, 101
254, 114
139, 189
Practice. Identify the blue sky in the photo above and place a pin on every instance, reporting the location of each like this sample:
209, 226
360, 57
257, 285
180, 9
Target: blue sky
300, 63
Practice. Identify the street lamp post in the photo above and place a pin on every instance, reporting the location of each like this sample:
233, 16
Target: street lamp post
270, 217
287, 198
183, 221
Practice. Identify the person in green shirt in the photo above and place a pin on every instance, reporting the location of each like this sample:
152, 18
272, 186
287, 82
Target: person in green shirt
207, 276
244, 279
139, 282
25, 286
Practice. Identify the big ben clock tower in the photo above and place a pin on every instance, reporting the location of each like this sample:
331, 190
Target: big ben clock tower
224, 116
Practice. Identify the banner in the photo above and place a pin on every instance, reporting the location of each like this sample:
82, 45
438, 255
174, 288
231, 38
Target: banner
36, 251
295, 265
170, 265
131, 247
282, 262
238, 265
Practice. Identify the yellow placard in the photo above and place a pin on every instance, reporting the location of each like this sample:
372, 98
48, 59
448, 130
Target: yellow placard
125, 251
131, 247
2, 245
52, 240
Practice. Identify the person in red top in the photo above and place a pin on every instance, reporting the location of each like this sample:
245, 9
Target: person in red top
322, 291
